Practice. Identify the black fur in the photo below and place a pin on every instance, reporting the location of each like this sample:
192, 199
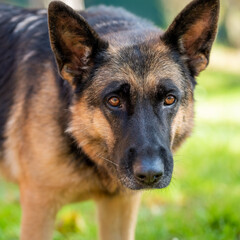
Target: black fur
8, 45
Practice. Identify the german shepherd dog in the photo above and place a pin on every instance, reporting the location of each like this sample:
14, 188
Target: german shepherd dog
97, 111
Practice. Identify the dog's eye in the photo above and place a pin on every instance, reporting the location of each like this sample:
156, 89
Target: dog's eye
114, 101
170, 100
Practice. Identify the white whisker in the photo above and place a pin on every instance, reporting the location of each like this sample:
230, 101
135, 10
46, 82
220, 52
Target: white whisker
108, 160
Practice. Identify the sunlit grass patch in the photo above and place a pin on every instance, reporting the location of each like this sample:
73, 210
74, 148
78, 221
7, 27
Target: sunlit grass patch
76, 222
9, 211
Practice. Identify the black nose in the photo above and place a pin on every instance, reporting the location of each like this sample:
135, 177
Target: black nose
148, 171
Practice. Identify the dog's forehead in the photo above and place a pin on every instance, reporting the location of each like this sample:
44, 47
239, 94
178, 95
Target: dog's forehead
143, 67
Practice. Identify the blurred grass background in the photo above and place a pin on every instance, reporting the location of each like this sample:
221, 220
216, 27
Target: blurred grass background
203, 200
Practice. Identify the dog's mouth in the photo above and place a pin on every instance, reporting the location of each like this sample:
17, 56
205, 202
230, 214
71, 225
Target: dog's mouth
129, 180
131, 183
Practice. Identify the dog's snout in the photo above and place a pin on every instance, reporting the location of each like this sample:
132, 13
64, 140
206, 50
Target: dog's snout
148, 171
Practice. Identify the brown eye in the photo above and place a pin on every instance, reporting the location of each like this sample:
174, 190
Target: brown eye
169, 100
114, 101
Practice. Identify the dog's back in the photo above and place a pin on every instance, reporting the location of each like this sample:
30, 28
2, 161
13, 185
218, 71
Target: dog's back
8, 45
24, 45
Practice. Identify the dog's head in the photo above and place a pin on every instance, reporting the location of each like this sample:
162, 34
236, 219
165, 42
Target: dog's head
133, 105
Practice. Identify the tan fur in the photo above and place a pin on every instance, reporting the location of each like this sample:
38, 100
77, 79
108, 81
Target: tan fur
194, 33
166, 69
182, 123
117, 217
90, 128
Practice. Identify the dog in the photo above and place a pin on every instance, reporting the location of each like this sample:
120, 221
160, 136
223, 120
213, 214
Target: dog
93, 105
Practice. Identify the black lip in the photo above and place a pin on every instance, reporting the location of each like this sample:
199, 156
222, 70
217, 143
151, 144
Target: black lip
133, 184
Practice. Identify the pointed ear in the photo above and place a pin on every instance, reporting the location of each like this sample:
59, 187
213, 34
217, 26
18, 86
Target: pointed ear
74, 43
192, 33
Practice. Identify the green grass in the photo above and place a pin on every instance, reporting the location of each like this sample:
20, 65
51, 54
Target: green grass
203, 200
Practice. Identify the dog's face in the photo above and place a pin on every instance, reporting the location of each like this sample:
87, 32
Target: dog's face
133, 105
